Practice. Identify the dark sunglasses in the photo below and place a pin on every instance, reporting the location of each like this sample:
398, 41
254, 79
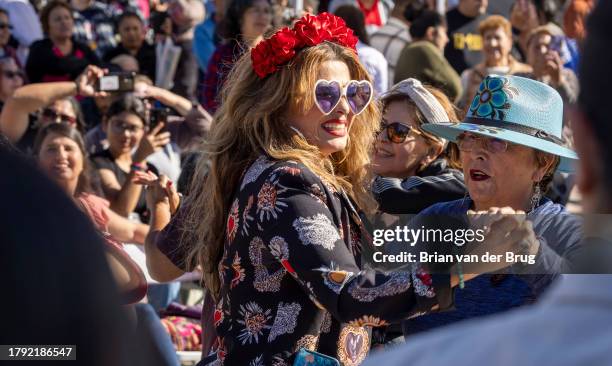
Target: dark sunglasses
397, 132
327, 95
58, 117
5, 26
13, 74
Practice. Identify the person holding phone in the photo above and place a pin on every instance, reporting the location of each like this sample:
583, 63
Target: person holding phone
545, 53
54, 102
130, 142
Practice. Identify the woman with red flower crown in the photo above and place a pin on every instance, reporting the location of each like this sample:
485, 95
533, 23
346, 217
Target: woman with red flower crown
288, 152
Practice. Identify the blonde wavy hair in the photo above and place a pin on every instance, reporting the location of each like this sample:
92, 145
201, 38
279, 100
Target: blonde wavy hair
252, 121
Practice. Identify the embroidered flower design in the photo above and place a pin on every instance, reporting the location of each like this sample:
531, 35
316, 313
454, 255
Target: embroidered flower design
285, 320
368, 321
333, 277
268, 204
255, 320
233, 221
317, 230
491, 100
238, 271
265, 281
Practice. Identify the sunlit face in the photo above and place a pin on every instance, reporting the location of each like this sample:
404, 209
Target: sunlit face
475, 7
257, 19
328, 132
501, 178
124, 132
61, 111
399, 160
5, 31
440, 37
61, 158
132, 33
496, 46
10, 79
538, 52
61, 23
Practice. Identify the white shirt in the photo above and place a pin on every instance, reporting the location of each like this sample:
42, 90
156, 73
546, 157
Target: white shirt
391, 40
376, 64
569, 326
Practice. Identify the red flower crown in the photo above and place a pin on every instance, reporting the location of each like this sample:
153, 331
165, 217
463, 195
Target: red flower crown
309, 31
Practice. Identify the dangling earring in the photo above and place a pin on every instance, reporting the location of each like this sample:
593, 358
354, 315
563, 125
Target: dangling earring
537, 196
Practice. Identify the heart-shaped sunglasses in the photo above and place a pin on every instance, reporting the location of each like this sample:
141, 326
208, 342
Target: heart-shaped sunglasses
327, 95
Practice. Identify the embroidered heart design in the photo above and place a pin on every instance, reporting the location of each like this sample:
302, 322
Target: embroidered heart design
354, 345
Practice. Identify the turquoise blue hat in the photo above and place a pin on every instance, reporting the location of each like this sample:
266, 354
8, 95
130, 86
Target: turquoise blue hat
515, 109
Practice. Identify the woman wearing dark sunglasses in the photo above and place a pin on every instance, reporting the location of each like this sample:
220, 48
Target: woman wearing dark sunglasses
11, 78
273, 218
415, 168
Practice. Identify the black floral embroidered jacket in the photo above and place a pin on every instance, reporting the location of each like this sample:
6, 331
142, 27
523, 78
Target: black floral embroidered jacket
291, 277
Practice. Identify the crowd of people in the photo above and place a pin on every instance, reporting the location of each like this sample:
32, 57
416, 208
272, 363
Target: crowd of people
256, 144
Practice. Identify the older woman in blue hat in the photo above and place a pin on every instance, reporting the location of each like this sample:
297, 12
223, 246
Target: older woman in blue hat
510, 144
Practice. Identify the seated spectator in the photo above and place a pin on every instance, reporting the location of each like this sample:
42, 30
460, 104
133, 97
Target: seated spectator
463, 50
11, 79
94, 25
132, 31
496, 33
243, 27
54, 102
60, 151
126, 127
415, 168
25, 25
6, 50
423, 59
376, 12
393, 36
370, 57
58, 57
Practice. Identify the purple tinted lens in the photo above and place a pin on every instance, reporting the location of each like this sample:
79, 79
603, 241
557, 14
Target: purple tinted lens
358, 95
327, 96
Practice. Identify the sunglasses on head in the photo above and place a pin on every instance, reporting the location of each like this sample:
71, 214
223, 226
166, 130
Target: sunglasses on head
58, 117
327, 95
397, 132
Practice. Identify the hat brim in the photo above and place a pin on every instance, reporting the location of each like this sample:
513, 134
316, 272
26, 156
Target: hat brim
451, 131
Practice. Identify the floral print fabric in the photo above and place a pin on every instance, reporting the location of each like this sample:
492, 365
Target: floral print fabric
291, 278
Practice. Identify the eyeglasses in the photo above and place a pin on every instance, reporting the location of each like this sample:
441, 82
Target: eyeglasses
58, 117
5, 26
121, 127
467, 142
327, 95
13, 74
397, 132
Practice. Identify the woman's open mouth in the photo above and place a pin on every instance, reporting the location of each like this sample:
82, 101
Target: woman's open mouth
478, 175
335, 127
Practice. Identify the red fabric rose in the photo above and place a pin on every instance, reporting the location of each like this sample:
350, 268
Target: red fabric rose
308, 31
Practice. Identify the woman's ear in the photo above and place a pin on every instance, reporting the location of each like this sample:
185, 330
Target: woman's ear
544, 163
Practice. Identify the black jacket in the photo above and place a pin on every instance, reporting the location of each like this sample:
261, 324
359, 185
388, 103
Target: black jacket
437, 183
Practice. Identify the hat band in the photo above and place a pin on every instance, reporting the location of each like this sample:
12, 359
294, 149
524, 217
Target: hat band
541, 134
